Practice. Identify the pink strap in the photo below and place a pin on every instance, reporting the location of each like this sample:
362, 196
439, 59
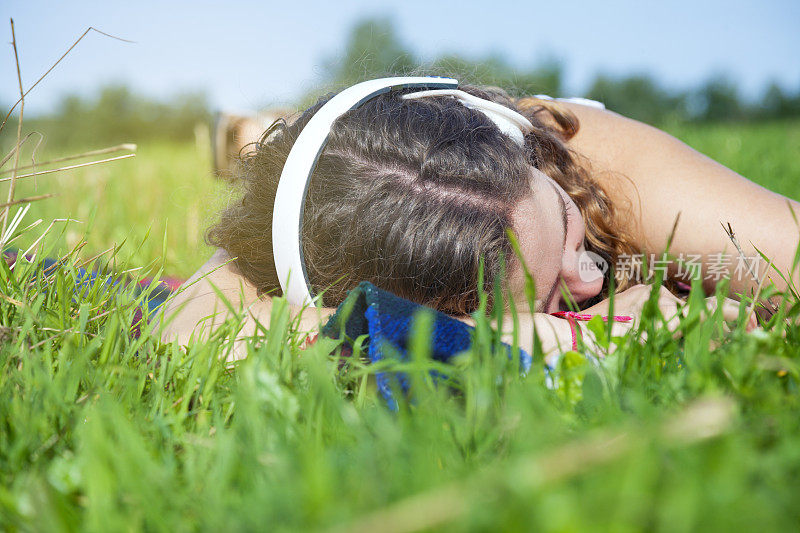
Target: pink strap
572, 317
586, 316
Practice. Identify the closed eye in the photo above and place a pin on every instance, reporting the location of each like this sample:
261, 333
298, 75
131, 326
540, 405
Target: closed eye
565, 219
569, 216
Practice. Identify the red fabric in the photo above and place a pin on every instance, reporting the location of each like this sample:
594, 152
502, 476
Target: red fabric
572, 317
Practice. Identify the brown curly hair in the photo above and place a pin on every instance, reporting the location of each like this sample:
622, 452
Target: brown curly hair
412, 195
605, 231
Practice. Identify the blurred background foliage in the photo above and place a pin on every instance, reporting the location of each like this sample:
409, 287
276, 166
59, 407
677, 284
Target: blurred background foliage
374, 48
115, 114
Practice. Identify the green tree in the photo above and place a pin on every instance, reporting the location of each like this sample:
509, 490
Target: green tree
718, 100
373, 50
778, 103
116, 114
637, 96
495, 70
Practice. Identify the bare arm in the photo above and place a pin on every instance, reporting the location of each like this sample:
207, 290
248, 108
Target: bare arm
197, 310
658, 177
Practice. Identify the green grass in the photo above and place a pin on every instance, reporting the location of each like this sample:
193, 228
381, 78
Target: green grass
102, 431
167, 192
767, 153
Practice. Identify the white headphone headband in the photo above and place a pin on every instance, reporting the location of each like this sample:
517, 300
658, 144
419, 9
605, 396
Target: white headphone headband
509, 121
287, 215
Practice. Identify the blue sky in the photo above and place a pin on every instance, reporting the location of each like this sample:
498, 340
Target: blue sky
261, 53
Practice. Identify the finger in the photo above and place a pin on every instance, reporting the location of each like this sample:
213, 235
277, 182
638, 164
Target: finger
667, 295
672, 313
730, 311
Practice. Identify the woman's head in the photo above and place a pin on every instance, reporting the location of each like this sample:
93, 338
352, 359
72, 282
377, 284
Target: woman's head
412, 195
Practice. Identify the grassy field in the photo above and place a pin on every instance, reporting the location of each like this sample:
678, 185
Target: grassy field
166, 193
767, 153
100, 430
169, 193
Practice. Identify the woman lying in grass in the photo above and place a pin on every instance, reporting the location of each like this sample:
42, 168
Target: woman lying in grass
412, 189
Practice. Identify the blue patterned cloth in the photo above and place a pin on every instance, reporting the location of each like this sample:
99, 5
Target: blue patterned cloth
157, 290
387, 319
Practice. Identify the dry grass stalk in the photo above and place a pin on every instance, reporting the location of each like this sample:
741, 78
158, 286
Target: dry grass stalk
120, 147
51, 271
11, 300
752, 307
19, 146
13, 178
79, 39
96, 256
45, 232
28, 200
732, 236
70, 167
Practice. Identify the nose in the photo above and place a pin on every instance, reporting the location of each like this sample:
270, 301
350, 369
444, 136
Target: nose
582, 291
585, 279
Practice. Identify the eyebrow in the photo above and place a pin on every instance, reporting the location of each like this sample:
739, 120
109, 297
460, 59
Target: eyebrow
564, 244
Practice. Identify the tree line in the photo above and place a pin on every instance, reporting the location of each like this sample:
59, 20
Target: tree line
115, 114
373, 49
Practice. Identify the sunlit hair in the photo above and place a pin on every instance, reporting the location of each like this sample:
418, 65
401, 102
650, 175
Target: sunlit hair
605, 229
411, 196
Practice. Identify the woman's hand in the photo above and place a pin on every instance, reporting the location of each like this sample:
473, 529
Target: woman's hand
631, 302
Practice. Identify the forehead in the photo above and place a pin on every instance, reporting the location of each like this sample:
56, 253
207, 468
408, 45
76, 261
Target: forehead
538, 225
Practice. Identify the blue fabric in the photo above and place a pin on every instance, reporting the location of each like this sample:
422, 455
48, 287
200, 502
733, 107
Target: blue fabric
156, 296
387, 318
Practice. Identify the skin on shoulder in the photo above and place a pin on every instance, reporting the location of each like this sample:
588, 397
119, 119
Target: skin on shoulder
655, 177
197, 308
